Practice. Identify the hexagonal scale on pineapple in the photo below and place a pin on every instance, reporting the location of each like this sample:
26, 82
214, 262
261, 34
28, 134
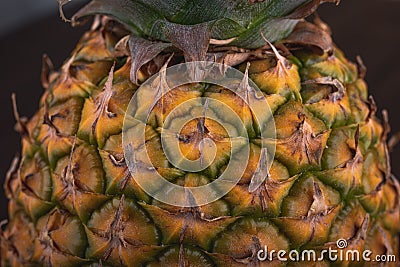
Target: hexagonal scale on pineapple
74, 189
352, 224
155, 150
301, 136
265, 201
209, 211
66, 85
119, 178
103, 112
282, 78
188, 226
97, 45
371, 129
91, 72
379, 241
120, 233
59, 124
385, 198
308, 211
83, 160
98, 120
236, 103
341, 144
327, 99
359, 104
35, 190
77, 201
336, 66
18, 238
182, 256
56, 230
244, 238
373, 173
391, 196
346, 177
54, 245
167, 101
194, 132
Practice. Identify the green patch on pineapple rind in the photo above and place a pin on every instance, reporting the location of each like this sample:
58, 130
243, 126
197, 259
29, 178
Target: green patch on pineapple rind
345, 196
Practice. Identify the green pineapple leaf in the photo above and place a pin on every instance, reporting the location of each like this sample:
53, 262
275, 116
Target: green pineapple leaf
239, 19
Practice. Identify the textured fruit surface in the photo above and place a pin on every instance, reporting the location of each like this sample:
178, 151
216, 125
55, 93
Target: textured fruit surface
73, 201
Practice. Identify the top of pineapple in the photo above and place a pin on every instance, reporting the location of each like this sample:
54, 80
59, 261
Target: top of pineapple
241, 23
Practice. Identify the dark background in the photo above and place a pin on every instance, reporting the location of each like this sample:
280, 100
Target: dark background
370, 28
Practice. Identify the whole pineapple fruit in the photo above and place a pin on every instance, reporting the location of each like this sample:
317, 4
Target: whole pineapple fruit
74, 201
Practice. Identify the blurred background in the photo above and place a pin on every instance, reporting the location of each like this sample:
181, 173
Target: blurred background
28, 29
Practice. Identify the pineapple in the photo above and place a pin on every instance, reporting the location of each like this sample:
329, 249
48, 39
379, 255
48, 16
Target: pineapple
74, 200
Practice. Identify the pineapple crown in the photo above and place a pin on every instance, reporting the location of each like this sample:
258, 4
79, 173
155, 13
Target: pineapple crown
193, 25
234, 22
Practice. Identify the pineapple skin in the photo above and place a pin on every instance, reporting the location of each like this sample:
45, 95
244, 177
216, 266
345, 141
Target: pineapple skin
73, 201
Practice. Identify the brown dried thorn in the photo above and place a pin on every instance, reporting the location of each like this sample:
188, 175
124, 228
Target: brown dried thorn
12, 170
181, 260
393, 141
321, 24
386, 131
21, 126
61, 4
47, 68
362, 69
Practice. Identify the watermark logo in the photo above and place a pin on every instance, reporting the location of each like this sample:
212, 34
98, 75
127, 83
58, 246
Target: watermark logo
201, 108
342, 253
341, 243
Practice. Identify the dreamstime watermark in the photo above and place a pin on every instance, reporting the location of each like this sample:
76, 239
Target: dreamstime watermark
329, 254
150, 94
